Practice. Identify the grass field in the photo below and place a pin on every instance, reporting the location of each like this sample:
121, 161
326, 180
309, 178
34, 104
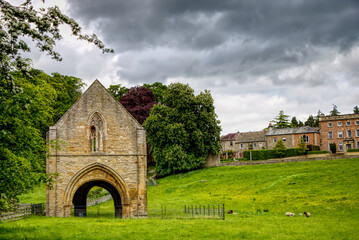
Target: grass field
260, 195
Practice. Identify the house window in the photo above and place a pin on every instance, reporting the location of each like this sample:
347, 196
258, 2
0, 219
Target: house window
284, 139
349, 133
241, 146
274, 140
348, 123
357, 132
357, 122
358, 145
254, 144
330, 135
330, 124
341, 146
306, 138
349, 146
260, 145
340, 134
340, 124
231, 143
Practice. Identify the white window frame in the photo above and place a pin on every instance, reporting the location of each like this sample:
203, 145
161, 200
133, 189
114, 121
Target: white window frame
340, 146
330, 124
330, 135
357, 122
306, 138
348, 123
357, 144
284, 139
357, 133
340, 134
241, 145
349, 133
254, 145
340, 124
274, 139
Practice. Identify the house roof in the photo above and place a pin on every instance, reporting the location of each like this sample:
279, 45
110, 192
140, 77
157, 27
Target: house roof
290, 131
229, 137
245, 137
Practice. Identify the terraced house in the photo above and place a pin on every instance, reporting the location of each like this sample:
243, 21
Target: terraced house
343, 130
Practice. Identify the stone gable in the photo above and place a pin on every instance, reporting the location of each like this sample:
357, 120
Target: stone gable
101, 144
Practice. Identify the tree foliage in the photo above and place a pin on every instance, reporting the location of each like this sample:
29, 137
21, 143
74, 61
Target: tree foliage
138, 101
30, 100
183, 130
280, 148
118, 91
334, 111
23, 21
158, 90
24, 120
356, 110
281, 121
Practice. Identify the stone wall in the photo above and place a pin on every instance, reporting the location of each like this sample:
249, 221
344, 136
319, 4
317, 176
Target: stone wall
118, 161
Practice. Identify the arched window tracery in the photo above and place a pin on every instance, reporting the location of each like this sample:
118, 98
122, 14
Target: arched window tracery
96, 133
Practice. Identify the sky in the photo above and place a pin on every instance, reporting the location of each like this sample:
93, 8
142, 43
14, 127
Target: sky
255, 57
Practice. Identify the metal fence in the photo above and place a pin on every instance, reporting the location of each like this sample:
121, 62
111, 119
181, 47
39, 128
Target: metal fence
23, 210
193, 211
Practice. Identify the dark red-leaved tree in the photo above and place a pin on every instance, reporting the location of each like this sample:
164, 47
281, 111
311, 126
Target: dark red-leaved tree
138, 101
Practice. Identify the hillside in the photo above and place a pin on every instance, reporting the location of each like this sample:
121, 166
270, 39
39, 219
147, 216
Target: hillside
260, 194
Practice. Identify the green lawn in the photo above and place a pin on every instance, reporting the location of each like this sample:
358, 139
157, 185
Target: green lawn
260, 195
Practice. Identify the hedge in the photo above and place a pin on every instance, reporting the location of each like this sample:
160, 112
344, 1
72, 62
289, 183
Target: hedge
353, 150
269, 154
317, 152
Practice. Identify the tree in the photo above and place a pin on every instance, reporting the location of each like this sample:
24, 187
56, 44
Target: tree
356, 110
310, 121
333, 147
24, 120
183, 130
19, 22
334, 111
158, 90
281, 121
280, 148
117, 90
295, 122
138, 101
302, 145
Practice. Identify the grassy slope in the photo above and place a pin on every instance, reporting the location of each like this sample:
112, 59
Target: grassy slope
327, 189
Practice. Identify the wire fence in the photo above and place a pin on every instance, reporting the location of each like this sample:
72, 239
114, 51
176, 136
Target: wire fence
23, 210
193, 211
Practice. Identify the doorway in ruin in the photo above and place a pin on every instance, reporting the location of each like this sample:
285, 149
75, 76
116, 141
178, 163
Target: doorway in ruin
81, 202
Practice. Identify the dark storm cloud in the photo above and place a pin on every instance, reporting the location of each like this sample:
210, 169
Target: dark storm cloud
235, 39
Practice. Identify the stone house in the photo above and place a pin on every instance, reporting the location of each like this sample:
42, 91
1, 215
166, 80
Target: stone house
343, 130
227, 142
291, 136
99, 143
250, 140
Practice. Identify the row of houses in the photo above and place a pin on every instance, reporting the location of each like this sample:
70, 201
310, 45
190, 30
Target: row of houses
343, 130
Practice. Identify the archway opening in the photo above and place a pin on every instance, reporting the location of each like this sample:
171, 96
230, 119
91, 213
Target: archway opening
81, 201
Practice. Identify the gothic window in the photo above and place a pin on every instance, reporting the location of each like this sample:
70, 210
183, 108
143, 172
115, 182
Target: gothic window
96, 133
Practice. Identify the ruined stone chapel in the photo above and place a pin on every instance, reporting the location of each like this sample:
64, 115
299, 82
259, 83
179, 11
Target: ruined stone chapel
99, 143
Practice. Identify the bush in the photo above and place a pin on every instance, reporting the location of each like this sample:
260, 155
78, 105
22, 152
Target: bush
269, 154
317, 152
333, 147
313, 148
353, 150
229, 153
242, 159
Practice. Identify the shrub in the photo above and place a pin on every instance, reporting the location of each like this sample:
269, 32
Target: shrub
317, 152
280, 148
229, 153
333, 147
353, 150
313, 147
269, 154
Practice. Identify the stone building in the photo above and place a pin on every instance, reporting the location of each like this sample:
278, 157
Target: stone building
291, 136
343, 130
227, 142
98, 143
250, 140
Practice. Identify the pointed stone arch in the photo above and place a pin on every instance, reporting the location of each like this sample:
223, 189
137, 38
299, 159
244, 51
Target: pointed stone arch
97, 132
98, 174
